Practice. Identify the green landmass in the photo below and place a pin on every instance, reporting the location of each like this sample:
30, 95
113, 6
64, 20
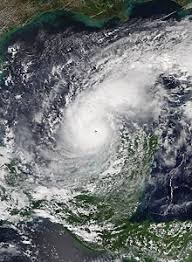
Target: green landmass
17, 12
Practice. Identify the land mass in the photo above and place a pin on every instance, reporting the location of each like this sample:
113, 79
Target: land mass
15, 13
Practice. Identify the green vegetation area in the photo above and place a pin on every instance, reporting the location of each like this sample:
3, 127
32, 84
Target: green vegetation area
17, 12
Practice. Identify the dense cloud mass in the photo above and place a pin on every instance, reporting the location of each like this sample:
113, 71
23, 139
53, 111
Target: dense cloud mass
79, 109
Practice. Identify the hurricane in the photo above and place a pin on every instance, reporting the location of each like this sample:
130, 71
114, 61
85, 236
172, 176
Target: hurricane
97, 131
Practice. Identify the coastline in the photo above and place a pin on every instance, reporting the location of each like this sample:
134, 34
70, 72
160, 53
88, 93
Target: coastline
90, 16
61, 17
